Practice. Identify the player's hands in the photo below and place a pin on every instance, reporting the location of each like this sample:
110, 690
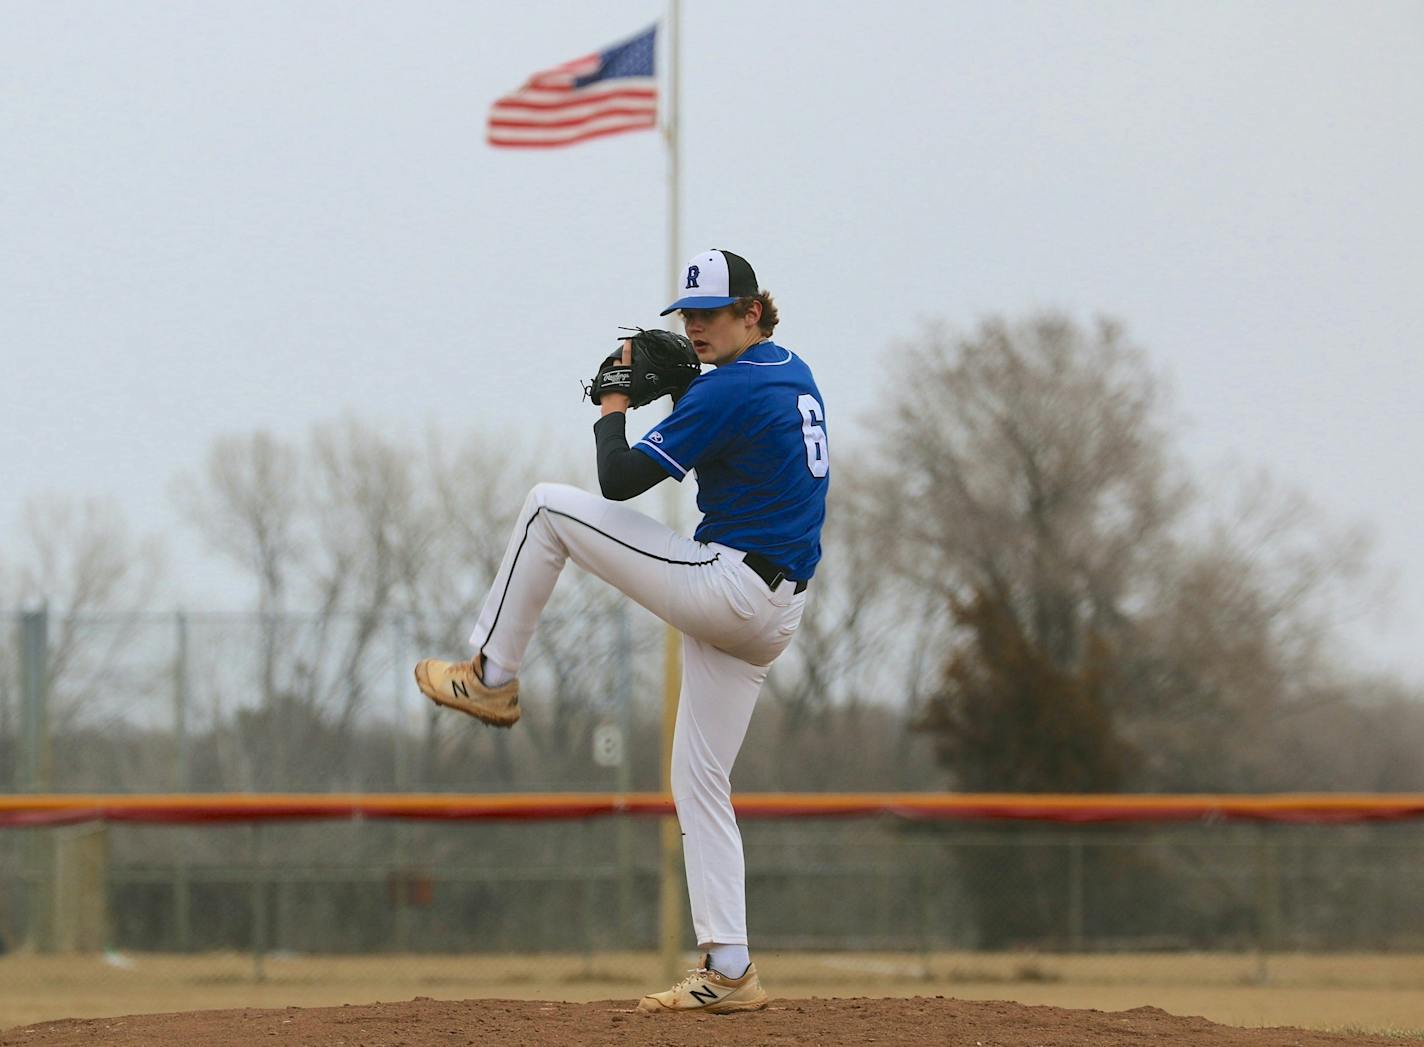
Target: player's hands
611, 401
649, 365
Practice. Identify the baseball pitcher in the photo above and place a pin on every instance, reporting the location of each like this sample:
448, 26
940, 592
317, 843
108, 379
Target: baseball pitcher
753, 429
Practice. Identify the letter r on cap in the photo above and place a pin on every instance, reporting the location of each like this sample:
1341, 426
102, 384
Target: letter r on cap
693, 272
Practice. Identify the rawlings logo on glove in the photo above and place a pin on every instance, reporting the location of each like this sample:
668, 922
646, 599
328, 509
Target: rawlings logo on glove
664, 364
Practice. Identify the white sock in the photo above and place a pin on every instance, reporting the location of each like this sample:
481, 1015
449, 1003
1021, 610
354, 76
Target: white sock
730, 960
494, 674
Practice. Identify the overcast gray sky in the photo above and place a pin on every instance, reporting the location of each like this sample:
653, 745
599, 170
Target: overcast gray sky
218, 217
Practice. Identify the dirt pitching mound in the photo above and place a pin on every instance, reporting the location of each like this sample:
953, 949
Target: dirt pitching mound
423, 1022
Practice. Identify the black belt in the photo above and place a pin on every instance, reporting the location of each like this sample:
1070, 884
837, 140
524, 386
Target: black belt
769, 572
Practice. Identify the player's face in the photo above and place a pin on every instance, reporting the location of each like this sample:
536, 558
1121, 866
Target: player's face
718, 335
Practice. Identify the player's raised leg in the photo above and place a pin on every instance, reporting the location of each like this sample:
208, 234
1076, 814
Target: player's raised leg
682, 581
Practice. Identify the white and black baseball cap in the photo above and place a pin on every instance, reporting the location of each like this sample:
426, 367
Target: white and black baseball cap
713, 279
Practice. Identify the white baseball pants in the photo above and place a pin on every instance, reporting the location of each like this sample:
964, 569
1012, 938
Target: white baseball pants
733, 627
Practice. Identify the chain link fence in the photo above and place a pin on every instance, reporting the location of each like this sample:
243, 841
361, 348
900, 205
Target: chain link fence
216, 703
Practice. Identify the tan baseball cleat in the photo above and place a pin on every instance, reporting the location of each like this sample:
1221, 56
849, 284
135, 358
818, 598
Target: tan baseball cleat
706, 991
457, 685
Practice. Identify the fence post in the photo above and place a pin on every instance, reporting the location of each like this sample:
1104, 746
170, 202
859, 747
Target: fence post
276, 714
624, 830
259, 906
672, 891
401, 689
1075, 894
587, 884
35, 753
182, 883
924, 912
1268, 901
79, 903
34, 692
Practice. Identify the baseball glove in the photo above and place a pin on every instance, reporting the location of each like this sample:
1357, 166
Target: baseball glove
664, 364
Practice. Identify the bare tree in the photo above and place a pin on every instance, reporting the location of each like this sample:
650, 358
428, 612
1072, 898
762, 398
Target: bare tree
1237, 639
477, 488
868, 640
1027, 479
1025, 482
387, 548
81, 561
81, 555
247, 504
1029, 462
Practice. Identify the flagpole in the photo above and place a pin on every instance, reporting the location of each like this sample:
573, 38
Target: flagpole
671, 894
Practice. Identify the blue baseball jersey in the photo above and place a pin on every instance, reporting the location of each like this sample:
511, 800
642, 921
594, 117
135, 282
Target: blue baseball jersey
754, 430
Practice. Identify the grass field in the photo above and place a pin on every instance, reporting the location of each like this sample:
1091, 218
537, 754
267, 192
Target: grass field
1367, 993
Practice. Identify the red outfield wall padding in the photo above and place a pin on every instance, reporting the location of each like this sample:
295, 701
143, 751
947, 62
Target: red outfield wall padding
21, 811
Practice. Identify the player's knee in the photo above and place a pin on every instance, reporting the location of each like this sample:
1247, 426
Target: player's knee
693, 781
543, 494
538, 498
680, 781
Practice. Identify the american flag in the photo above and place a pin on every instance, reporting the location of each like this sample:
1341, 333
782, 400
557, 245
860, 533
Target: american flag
605, 93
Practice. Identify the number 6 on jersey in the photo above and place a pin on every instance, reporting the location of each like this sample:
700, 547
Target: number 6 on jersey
813, 419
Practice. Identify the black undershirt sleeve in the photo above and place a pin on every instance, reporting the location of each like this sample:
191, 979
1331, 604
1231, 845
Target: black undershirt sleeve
623, 473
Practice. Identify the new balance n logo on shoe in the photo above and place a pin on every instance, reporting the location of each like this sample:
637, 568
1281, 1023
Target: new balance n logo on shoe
705, 991
457, 686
